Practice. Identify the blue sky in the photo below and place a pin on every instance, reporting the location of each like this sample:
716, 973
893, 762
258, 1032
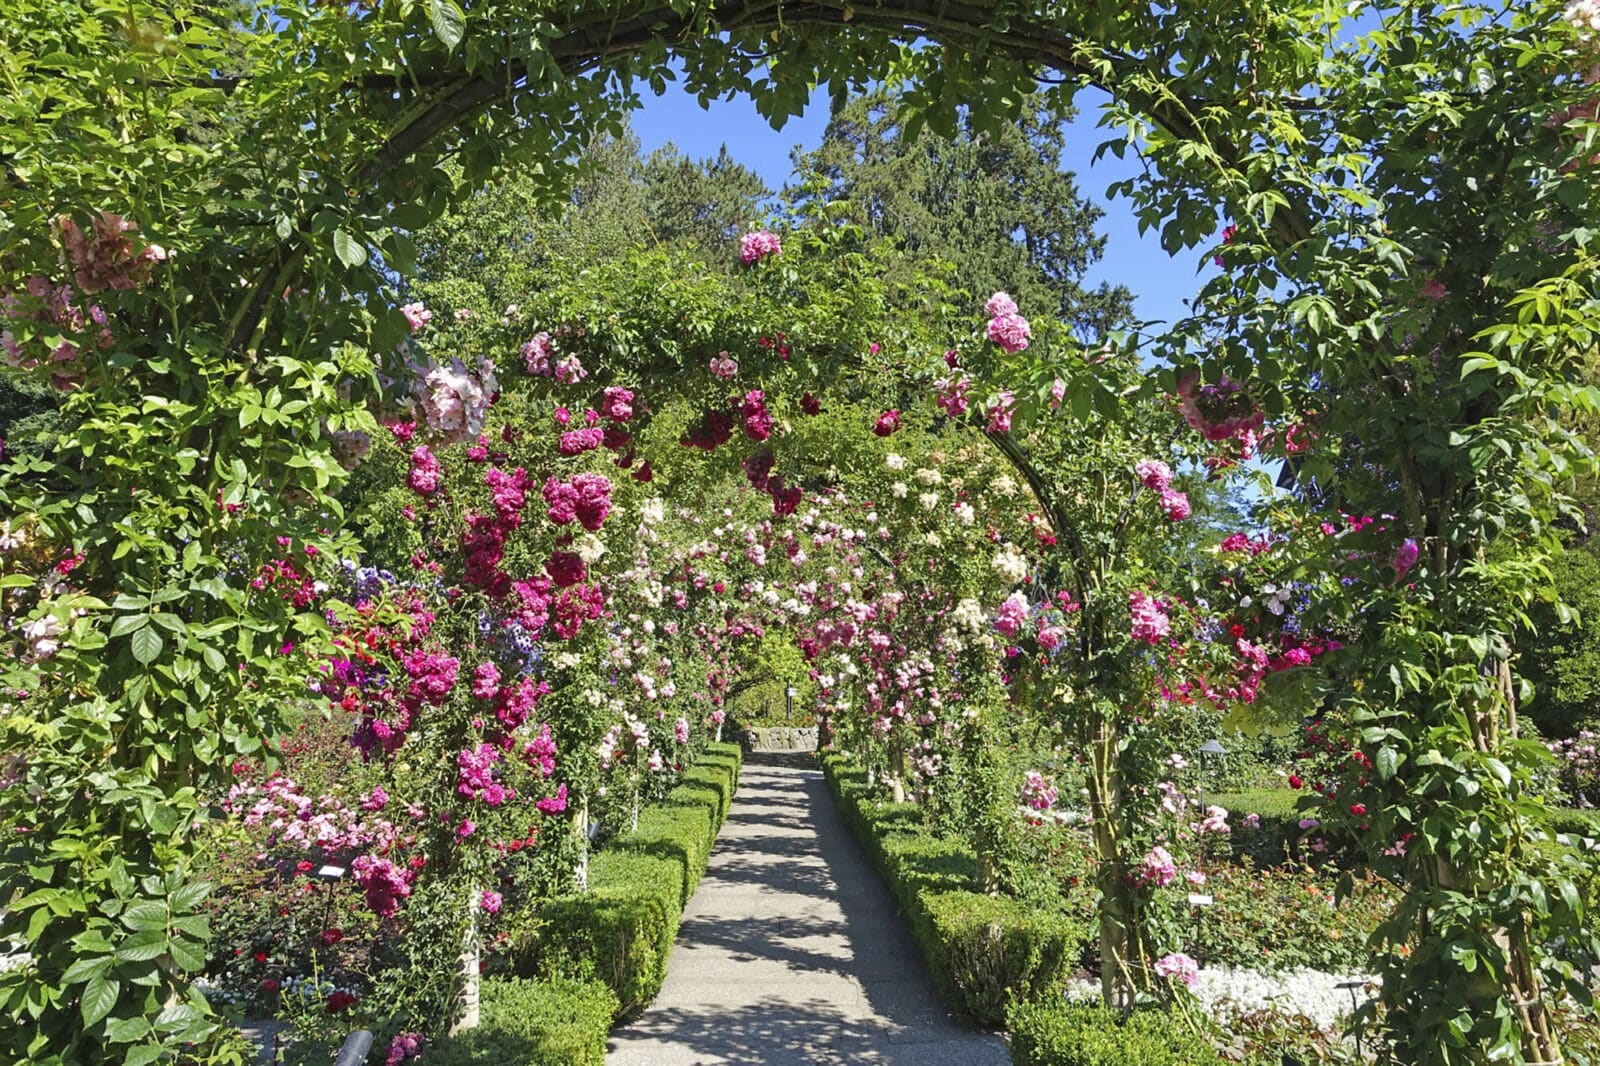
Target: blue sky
1159, 283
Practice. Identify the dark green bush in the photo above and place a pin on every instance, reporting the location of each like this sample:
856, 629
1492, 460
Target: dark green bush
560, 1022
621, 930
992, 949
982, 949
1056, 1033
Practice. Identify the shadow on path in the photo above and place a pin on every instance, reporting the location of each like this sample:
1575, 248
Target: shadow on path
792, 951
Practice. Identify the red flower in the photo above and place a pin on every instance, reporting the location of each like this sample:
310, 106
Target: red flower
1295, 781
260, 956
269, 985
810, 404
1358, 809
340, 1000
887, 423
332, 936
304, 866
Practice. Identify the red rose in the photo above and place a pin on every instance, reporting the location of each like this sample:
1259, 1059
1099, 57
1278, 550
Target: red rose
332, 936
1358, 809
1295, 781
304, 866
269, 985
887, 423
261, 956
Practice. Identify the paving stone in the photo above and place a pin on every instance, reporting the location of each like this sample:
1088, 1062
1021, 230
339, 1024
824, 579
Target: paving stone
792, 951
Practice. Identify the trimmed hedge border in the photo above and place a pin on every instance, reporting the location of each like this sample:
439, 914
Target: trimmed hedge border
983, 950
1081, 1034
621, 930
559, 1022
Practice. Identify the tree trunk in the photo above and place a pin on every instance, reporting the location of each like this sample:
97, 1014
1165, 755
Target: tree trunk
1122, 954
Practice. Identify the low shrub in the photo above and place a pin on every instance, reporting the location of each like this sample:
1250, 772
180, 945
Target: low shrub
559, 1022
621, 930
983, 950
1057, 1033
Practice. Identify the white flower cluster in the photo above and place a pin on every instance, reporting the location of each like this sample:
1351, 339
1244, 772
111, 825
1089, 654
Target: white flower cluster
1010, 563
455, 401
969, 616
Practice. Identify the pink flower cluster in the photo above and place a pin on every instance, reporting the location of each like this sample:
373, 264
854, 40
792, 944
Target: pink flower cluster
1037, 792
1405, 557
52, 306
578, 441
475, 776
756, 246
537, 354
1242, 542
403, 1047
384, 883
105, 257
426, 471
1153, 474
585, 498
1001, 411
1180, 966
1007, 327
417, 316
1157, 868
554, 804
540, 752
757, 419
1150, 622
953, 394
618, 404
456, 401
1012, 614
1219, 412
1175, 505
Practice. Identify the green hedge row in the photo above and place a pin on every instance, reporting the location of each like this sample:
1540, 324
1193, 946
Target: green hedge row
983, 950
559, 1022
1058, 1033
621, 930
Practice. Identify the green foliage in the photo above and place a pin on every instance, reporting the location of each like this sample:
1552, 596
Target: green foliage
993, 206
558, 1022
1562, 658
983, 950
1065, 1034
620, 931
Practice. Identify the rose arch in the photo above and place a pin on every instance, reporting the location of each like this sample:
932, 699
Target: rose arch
206, 222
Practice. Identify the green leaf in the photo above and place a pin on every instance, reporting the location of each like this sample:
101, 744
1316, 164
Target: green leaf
146, 914
83, 969
147, 645
143, 946
351, 252
126, 1030
449, 21
129, 623
1387, 763
143, 1055
98, 999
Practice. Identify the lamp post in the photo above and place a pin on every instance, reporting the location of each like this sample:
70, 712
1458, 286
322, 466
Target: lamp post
789, 694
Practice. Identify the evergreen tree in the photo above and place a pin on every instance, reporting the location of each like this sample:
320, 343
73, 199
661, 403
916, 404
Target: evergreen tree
997, 207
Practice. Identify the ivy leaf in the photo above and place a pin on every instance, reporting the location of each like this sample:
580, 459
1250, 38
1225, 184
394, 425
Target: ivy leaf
449, 22
351, 252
